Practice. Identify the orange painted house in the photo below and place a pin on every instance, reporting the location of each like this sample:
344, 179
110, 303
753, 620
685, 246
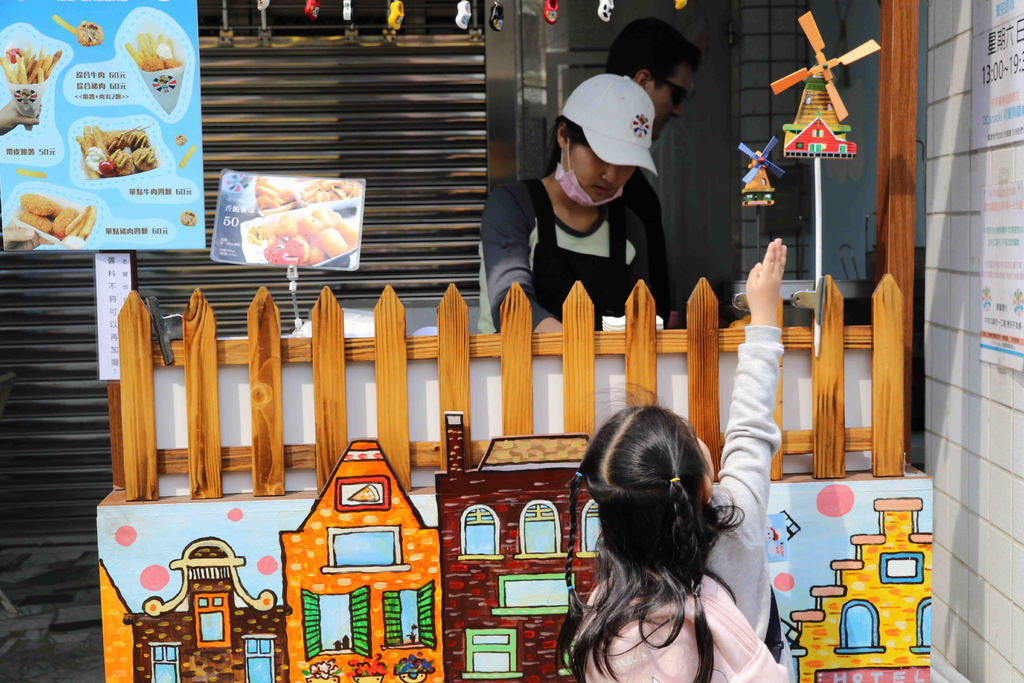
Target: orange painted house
362, 578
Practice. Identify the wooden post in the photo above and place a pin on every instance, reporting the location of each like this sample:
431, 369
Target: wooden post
887, 377
453, 360
202, 399
116, 436
702, 367
138, 407
641, 351
264, 327
897, 167
829, 401
392, 384
578, 392
516, 363
329, 402
777, 458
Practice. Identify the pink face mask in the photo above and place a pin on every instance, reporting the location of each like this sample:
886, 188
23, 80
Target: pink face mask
572, 188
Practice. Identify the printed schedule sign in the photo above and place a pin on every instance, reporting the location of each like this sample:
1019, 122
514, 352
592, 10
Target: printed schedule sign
115, 160
1002, 275
997, 77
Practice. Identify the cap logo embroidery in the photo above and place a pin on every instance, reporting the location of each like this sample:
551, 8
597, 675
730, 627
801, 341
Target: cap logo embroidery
641, 126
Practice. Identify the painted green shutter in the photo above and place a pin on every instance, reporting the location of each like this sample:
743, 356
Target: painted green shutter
425, 614
311, 623
360, 608
392, 618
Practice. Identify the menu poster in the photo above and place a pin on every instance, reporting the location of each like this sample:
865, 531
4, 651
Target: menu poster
268, 220
115, 161
1002, 275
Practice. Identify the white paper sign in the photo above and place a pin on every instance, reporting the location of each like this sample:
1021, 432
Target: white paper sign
113, 283
997, 74
1002, 275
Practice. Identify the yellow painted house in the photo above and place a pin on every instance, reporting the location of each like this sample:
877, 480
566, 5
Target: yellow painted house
874, 623
362, 579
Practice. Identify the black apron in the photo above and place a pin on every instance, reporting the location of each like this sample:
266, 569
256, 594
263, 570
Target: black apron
556, 270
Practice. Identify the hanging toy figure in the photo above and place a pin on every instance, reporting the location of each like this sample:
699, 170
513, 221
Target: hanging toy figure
396, 12
757, 188
465, 12
551, 11
262, 4
346, 10
604, 10
313, 9
497, 15
680, 4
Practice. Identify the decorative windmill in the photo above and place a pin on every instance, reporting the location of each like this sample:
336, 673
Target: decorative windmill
817, 130
758, 190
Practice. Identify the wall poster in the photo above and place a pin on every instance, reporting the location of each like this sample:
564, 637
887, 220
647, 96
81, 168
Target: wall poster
997, 73
115, 160
1002, 275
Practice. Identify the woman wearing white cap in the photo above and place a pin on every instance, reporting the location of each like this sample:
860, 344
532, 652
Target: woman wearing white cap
570, 225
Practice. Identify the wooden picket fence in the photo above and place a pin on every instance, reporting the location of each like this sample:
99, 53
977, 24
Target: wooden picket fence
138, 463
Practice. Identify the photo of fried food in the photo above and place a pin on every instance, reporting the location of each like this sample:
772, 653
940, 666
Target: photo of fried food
305, 238
65, 224
180, 140
320, 191
153, 55
189, 219
89, 34
115, 153
63, 220
39, 205
23, 66
272, 198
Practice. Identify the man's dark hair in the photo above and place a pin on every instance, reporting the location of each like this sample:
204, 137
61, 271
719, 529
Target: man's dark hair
653, 45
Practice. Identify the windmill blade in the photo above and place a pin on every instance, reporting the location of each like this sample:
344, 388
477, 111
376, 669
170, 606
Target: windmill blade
776, 171
786, 81
746, 150
810, 28
770, 146
856, 53
751, 174
837, 102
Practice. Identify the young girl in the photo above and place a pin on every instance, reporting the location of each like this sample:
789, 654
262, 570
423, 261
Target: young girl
683, 590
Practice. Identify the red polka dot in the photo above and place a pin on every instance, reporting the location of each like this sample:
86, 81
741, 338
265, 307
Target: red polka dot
125, 535
784, 582
835, 500
154, 577
234, 514
267, 565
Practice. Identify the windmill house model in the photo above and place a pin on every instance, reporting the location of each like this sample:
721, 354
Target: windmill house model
758, 190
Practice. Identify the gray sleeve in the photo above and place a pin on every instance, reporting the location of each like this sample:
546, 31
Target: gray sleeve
505, 228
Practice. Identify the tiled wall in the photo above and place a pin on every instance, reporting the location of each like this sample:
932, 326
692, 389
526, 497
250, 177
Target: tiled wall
975, 412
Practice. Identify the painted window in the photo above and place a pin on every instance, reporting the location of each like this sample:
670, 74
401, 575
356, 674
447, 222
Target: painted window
818, 133
858, 628
212, 619
591, 527
901, 567
259, 659
165, 663
842, 149
538, 528
532, 594
376, 548
491, 653
409, 617
336, 622
362, 493
924, 627
479, 531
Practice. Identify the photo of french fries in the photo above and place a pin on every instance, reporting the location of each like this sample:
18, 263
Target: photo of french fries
25, 66
162, 70
272, 197
43, 220
153, 54
115, 153
326, 190
304, 237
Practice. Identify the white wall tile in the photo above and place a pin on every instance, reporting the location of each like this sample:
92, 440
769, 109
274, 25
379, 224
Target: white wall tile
956, 416
959, 66
1000, 489
943, 530
959, 317
974, 319
1000, 623
979, 178
999, 670
983, 492
1000, 563
1018, 507
1018, 391
1018, 444
972, 473
1000, 385
940, 177
942, 13
998, 424
1018, 643
973, 426
939, 409
976, 243
937, 241
1017, 568
959, 190
977, 660
960, 17
941, 587
960, 242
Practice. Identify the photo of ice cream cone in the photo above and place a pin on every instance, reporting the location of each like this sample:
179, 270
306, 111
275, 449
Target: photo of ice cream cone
26, 72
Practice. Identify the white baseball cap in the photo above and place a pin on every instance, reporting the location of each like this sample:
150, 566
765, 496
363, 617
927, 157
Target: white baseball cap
616, 115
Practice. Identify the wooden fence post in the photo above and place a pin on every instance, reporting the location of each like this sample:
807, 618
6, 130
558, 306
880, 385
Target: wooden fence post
702, 367
202, 399
578, 393
392, 384
829, 407
453, 361
777, 458
516, 363
138, 407
264, 327
641, 350
330, 408
887, 447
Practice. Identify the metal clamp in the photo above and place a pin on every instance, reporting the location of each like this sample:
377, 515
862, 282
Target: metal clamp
815, 301
167, 328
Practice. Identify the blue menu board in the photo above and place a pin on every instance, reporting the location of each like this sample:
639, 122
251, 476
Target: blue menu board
115, 160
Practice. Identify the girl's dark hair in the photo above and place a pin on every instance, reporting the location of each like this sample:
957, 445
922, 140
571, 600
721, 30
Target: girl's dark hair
644, 469
576, 137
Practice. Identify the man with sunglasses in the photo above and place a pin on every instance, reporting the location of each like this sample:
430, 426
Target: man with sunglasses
661, 61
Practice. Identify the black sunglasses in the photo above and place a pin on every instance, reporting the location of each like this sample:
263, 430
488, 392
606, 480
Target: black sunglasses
678, 92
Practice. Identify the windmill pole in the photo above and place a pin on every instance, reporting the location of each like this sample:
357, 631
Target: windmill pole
817, 220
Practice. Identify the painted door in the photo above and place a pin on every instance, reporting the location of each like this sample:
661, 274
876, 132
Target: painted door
259, 659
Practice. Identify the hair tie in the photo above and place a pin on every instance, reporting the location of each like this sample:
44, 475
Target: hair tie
578, 474
674, 479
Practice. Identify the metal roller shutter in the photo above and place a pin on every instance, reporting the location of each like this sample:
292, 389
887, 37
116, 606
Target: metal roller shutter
408, 116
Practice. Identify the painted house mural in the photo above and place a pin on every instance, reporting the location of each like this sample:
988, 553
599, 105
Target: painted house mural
504, 533
362, 579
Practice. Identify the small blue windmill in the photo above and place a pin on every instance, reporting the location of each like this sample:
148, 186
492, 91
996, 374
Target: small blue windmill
757, 189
